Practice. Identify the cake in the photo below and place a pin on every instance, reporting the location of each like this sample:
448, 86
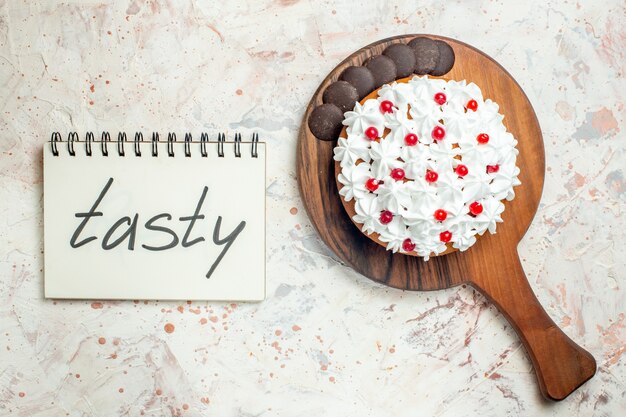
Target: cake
424, 165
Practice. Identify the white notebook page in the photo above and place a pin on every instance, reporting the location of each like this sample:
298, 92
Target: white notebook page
167, 210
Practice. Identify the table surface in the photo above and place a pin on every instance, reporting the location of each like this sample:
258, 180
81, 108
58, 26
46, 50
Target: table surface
327, 341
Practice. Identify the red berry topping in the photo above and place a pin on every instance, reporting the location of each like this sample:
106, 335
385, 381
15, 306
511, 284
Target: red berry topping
410, 139
445, 237
475, 208
438, 133
397, 174
492, 169
371, 133
372, 184
482, 138
440, 98
386, 106
386, 217
408, 245
431, 176
440, 215
472, 105
461, 170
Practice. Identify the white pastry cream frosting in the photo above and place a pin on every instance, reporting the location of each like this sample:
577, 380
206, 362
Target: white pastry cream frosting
428, 163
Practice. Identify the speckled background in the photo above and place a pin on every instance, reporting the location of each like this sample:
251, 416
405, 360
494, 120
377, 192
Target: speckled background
326, 342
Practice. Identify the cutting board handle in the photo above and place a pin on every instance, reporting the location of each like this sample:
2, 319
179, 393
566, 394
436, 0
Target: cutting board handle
561, 365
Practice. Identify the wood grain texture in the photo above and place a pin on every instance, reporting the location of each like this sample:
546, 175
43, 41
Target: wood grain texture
492, 265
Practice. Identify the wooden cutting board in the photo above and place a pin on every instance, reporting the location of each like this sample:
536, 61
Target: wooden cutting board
492, 265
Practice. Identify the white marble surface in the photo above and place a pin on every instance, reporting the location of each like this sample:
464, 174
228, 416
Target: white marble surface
326, 342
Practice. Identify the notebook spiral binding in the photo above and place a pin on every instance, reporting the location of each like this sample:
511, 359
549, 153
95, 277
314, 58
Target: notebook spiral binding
122, 139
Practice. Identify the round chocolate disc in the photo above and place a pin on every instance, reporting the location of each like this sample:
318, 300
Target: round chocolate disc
404, 58
361, 78
342, 94
446, 59
426, 55
383, 69
325, 121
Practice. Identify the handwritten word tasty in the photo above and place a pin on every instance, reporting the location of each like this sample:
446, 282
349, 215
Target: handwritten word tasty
158, 224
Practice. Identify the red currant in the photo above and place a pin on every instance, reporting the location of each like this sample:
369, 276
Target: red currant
472, 105
372, 184
440, 215
461, 170
371, 133
438, 133
475, 208
440, 98
482, 138
410, 139
386, 106
408, 245
397, 174
445, 237
492, 169
386, 217
431, 176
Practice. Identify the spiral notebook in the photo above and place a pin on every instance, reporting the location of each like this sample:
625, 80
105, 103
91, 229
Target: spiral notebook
154, 219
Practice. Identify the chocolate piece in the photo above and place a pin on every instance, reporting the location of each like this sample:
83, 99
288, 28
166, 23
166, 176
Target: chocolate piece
383, 69
325, 121
342, 94
426, 55
361, 78
446, 59
404, 58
